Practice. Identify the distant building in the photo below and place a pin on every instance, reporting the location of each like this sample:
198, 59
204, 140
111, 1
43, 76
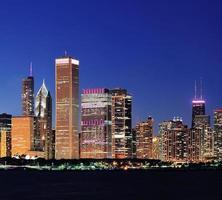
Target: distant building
156, 148
201, 136
67, 105
28, 95
198, 109
205, 136
4, 150
53, 143
96, 124
194, 145
22, 135
198, 106
121, 123
218, 134
5, 135
144, 137
208, 148
43, 113
174, 136
201, 144
134, 143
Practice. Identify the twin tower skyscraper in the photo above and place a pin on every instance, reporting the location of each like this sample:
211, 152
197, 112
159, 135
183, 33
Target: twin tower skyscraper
65, 143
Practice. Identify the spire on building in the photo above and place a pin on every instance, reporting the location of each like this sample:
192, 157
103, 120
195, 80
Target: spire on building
201, 89
43, 90
41, 100
198, 90
30, 69
195, 89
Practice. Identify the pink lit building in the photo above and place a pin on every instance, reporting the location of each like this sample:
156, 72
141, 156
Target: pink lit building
96, 124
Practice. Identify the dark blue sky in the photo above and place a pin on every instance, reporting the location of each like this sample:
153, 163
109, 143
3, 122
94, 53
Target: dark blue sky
155, 49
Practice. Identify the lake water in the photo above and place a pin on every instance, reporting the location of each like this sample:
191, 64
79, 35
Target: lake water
110, 185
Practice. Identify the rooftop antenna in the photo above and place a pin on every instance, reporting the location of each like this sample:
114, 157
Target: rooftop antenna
201, 89
195, 89
30, 69
65, 53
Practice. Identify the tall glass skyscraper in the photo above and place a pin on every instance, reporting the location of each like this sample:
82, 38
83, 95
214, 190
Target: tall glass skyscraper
144, 139
96, 124
198, 105
67, 104
174, 135
121, 123
200, 129
198, 108
28, 95
43, 113
5, 134
218, 134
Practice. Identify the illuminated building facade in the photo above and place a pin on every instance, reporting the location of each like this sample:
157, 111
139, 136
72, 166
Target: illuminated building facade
4, 151
201, 145
96, 124
201, 136
174, 136
156, 148
5, 135
43, 113
67, 97
134, 143
28, 95
204, 135
194, 145
121, 123
22, 135
198, 108
208, 148
53, 143
144, 139
198, 104
218, 134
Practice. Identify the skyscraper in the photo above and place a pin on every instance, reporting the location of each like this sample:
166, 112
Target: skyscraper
67, 104
22, 135
198, 108
5, 134
156, 147
198, 105
200, 129
218, 134
28, 95
4, 150
121, 123
208, 148
174, 135
43, 113
96, 124
144, 139
194, 145
134, 143
23, 132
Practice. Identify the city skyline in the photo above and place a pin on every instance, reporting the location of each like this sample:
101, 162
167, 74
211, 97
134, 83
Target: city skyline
106, 130
166, 66
187, 120
111, 99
